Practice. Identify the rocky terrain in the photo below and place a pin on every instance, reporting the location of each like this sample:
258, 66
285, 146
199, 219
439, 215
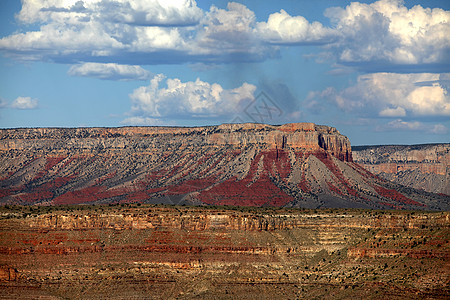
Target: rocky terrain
424, 167
291, 165
133, 251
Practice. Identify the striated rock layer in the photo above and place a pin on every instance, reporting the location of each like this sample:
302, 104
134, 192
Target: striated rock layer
157, 252
424, 167
301, 164
306, 136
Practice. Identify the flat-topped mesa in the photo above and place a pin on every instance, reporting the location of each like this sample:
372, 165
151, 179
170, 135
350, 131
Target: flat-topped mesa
294, 165
298, 136
419, 166
305, 136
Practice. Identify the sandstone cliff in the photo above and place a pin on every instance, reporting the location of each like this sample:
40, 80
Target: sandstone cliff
424, 167
299, 164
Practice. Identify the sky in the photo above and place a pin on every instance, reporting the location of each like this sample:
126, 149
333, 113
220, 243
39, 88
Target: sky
378, 71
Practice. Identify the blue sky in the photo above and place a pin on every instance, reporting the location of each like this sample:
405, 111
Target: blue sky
378, 71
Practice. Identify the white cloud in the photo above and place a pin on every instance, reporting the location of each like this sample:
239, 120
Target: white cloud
382, 36
152, 39
24, 103
392, 95
404, 125
135, 121
393, 112
57, 41
144, 12
192, 99
140, 12
439, 129
93, 41
230, 34
228, 27
386, 32
102, 30
401, 125
113, 32
110, 71
282, 28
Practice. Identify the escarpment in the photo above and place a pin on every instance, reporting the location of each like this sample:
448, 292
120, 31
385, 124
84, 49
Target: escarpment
168, 252
157, 218
296, 165
424, 167
306, 136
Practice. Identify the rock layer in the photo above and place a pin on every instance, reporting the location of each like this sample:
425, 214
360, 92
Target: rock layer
156, 252
300, 164
76, 141
424, 167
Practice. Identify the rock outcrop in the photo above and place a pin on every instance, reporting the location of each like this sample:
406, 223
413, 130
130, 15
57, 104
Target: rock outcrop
70, 141
159, 252
300, 164
424, 167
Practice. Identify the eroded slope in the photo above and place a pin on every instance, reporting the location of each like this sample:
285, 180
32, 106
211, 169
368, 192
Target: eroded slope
300, 164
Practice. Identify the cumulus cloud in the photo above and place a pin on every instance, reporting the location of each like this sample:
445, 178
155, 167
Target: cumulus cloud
282, 28
375, 36
393, 112
229, 25
112, 32
378, 37
230, 33
94, 41
391, 95
138, 12
185, 100
24, 103
110, 71
135, 32
102, 30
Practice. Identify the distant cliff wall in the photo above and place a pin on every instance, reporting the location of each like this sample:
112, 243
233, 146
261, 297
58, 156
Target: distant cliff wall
419, 166
63, 140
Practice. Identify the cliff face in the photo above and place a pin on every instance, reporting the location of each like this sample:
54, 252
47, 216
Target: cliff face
157, 252
420, 166
302, 136
299, 164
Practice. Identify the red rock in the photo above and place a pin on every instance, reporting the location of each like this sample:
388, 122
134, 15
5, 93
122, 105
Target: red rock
229, 164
